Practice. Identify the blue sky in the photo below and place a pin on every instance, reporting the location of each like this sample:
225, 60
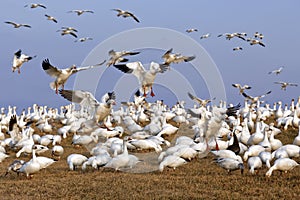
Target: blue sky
278, 21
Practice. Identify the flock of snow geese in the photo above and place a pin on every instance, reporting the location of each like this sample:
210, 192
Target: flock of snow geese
110, 135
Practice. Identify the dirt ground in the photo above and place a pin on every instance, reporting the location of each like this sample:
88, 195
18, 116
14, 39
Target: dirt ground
198, 179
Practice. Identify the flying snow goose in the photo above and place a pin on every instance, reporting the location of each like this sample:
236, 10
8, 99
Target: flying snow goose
190, 30
68, 32
19, 59
240, 87
146, 78
17, 25
229, 36
170, 57
126, 14
282, 164
285, 84
201, 102
117, 56
61, 75
35, 5
207, 35
255, 41
258, 35
51, 18
255, 99
276, 71
86, 99
80, 12
237, 48
83, 39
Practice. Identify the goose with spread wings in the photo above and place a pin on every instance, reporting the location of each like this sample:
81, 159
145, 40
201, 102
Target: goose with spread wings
125, 14
145, 77
254, 99
117, 56
35, 5
276, 71
87, 100
170, 57
19, 59
61, 75
202, 102
80, 12
17, 25
285, 84
241, 88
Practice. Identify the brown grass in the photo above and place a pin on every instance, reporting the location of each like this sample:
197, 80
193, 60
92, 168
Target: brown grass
199, 179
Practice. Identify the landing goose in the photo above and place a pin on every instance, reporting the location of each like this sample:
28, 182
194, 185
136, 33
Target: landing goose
241, 88
80, 12
255, 99
17, 25
170, 57
117, 56
285, 84
61, 75
201, 102
19, 59
145, 77
125, 14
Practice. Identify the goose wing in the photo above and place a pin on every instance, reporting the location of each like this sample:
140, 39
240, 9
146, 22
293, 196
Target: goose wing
135, 68
50, 69
87, 67
84, 98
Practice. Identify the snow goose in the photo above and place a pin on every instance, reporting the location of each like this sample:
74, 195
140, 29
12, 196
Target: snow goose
255, 41
57, 151
15, 166
229, 36
125, 14
86, 99
241, 88
297, 138
117, 56
80, 12
30, 167
257, 136
282, 164
253, 150
61, 75
186, 152
285, 84
75, 160
19, 59
230, 164
276, 71
83, 39
17, 25
204, 36
227, 154
145, 78
255, 99
291, 149
51, 18
35, 5
146, 144
254, 163
258, 35
172, 161
275, 143
201, 102
85, 139
265, 157
67, 32
237, 48
170, 57
97, 161
190, 30
3, 156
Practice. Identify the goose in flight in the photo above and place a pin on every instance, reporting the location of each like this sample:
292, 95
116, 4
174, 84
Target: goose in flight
125, 14
50, 18
17, 25
240, 87
258, 35
191, 30
117, 56
80, 12
67, 28
61, 75
145, 77
255, 41
285, 84
66, 32
207, 35
86, 99
35, 5
276, 71
229, 36
19, 59
237, 48
170, 57
255, 99
83, 39
202, 102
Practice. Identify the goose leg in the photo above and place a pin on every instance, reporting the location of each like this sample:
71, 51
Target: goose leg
152, 93
144, 88
56, 88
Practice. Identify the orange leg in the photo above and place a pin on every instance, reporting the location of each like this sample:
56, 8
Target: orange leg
152, 93
144, 88
19, 71
56, 88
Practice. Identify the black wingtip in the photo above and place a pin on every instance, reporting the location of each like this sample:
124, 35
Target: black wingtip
46, 64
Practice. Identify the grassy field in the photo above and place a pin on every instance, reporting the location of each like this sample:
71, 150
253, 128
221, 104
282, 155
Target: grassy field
198, 179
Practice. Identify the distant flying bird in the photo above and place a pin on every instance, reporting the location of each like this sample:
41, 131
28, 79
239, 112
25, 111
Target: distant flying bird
64, 28
170, 57
51, 18
35, 5
68, 32
61, 75
191, 30
240, 87
87, 100
126, 14
205, 36
145, 77
285, 84
201, 102
255, 99
237, 48
80, 12
16, 25
254, 42
117, 56
19, 59
258, 35
83, 39
276, 71
229, 36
